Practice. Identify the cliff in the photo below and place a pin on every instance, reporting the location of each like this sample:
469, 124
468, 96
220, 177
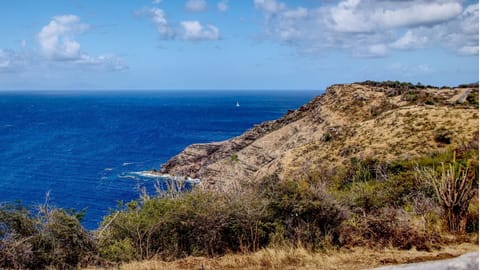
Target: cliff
388, 120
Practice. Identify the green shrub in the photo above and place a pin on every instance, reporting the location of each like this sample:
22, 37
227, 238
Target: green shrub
305, 212
207, 223
48, 237
200, 222
121, 250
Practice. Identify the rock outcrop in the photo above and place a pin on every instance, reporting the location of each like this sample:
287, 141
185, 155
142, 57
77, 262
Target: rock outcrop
388, 121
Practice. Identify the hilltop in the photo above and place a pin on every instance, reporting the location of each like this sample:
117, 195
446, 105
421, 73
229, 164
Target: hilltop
369, 120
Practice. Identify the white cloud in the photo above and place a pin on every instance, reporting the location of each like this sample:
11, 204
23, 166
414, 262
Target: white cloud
12, 61
186, 30
373, 27
368, 16
269, 6
159, 19
410, 40
194, 31
156, 1
57, 44
107, 62
57, 38
222, 5
196, 5
459, 34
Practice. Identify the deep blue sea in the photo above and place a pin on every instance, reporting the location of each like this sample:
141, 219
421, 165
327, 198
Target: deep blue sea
85, 147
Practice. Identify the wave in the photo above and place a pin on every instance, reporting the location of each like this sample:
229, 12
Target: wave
128, 163
148, 174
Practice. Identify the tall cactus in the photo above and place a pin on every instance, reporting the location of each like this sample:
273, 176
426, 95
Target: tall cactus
454, 188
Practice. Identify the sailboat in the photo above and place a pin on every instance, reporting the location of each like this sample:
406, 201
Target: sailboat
238, 104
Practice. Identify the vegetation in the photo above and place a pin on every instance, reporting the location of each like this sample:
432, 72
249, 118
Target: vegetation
365, 203
453, 186
44, 237
208, 223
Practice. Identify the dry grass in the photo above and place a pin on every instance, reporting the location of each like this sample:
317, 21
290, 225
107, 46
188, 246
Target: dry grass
358, 258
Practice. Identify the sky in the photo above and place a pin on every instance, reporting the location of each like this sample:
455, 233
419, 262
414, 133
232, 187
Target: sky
235, 44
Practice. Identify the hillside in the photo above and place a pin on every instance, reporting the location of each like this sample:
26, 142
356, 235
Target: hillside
368, 120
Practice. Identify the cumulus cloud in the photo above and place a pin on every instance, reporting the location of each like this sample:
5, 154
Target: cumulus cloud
459, 34
57, 44
159, 19
367, 16
196, 5
185, 30
373, 27
56, 39
194, 31
222, 5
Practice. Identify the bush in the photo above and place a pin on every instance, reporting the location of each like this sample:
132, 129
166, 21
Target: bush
46, 238
207, 223
304, 213
384, 228
202, 223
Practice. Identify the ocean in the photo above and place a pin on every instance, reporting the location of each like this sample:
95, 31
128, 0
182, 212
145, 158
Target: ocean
86, 148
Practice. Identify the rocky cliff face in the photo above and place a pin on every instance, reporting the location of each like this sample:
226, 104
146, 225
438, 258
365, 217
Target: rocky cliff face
367, 120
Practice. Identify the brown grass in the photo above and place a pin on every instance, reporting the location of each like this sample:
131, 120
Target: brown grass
290, 258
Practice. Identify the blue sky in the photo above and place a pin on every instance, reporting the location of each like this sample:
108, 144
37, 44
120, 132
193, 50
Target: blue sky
235, 44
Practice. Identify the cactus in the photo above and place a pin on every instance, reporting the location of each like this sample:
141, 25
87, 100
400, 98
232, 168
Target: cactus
454, 188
